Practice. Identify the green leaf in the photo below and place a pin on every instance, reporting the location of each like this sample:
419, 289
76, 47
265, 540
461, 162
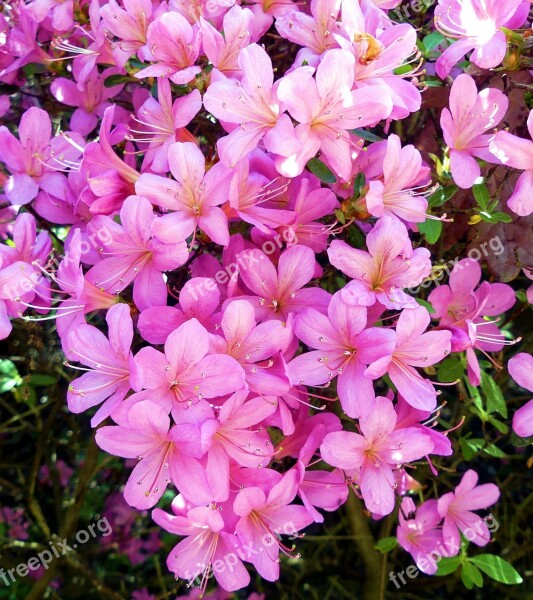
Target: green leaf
358, 184
42, 380
442, 195
469, 447
482, 196
502, 217
366, 135
467, 582
431, 230
318, 168
450, 369
116, 79
9, 376
497, 568
493, 450
472, 573
386, 544
432, 40
495, 402
501, 427
426, 305
522, 296
448, 565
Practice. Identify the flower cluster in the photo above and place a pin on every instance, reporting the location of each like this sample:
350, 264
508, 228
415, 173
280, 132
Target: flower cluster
198, 191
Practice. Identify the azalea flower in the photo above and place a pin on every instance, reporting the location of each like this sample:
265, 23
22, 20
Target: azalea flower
375, 452
521, 370
464, 125
456, 508
380, 274
516, 152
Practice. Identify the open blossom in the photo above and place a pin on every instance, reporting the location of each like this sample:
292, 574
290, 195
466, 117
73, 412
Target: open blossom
193, 195
250, 107
375, 452
389, 266
404, 186
109, 361
186, 373
175, 46
34, 155
521, 370
516, 152
456, 508
464, 124
326, 107
164, 453
133, 254
476, 25
207, 541
345, 347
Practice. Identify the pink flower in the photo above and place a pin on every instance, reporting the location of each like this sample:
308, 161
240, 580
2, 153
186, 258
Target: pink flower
517, 153
175, 46
404, 186
194, 196
165, 454
132, 254
456, 508
464, 125
91, 101
263, 517
389, 266
414, 348
326, 108
521, 370
223, 50
279, 292
252, 346
419, 533
207, 543
185, 373
35, 155
477, 26
345, 347
109, 362
249, 107
374, 453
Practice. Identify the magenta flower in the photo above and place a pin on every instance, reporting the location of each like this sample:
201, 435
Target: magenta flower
223, 50
456, 509
477, 26
162, 122
279, 292
175, 46
263, 518
345, 347
374, 453
185, 373
109, 361
229, 438
464, 125
34, 156
252, 346
91, 101
414, 348
132, 254
326, 108
250, 106
516, 152
521, 370
194, 196
310, 202
404, 186
419, 533
389, 266
207, 542
165, 454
